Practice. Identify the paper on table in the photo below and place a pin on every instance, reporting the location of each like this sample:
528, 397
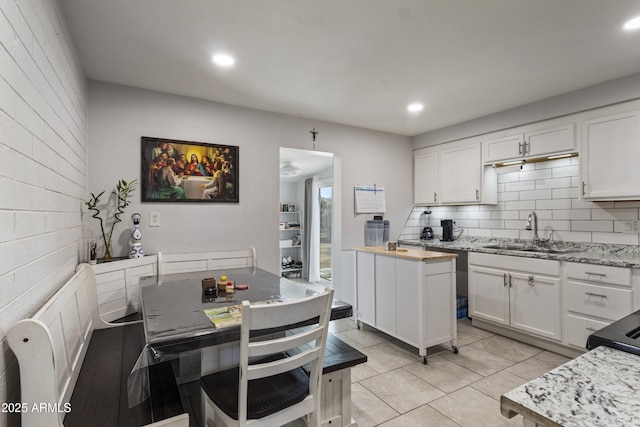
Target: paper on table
231, 315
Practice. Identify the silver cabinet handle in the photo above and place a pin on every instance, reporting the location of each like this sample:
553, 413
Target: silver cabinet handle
526, 149
477, 194
504, 279
520, 148
584, 184
588, 273
435, 196
510, 284
591, 294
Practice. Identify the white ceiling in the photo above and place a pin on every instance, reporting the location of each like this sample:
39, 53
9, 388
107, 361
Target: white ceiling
359, 62
309, 162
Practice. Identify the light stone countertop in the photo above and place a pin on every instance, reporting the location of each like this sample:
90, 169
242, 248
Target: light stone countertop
598, 388
412, 254
602, 254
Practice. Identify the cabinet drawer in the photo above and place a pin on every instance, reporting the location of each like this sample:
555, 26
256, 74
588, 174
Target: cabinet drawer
579, 329
599, 273
600, 301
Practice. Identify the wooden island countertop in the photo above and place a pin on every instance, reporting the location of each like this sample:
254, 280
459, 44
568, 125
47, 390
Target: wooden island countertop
412, 254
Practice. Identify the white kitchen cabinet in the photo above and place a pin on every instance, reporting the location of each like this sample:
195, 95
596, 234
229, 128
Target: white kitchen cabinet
385, 291
610, 153
411, 299
425, 179
516, 292
461, 174
453, 174
118, 285
527, 142
365, 287
596, 296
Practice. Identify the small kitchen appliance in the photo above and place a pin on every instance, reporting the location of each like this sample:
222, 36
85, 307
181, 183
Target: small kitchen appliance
623, 335
447, 230
427, 232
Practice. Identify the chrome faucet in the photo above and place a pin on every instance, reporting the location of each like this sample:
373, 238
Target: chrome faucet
533, 217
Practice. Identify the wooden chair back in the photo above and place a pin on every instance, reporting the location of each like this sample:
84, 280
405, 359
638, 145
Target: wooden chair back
170, 263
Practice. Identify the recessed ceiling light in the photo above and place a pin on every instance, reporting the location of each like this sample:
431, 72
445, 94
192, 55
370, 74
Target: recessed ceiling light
223, 60
416, 107
632, 24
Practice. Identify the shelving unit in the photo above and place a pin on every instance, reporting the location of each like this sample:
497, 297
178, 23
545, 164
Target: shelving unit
290, 244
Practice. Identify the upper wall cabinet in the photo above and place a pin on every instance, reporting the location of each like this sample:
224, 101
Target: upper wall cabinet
526, 142
425, 177
610, 154
453, 174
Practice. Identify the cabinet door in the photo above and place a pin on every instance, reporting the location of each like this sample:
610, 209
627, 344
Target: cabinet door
535, 305
507, 148
461, 174
410, 323
386, 294
365, 287
489, 294
609, 157
549, 141
425, 178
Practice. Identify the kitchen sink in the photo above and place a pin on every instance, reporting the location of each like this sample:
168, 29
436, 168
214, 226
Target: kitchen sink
509, 247
529, 248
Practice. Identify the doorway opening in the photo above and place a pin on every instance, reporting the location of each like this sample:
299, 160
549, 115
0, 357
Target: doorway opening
325, 201
311, 190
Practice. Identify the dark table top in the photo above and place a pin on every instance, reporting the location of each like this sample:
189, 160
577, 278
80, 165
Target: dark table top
173, 305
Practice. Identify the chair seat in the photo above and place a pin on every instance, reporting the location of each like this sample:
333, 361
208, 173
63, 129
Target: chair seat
266, 396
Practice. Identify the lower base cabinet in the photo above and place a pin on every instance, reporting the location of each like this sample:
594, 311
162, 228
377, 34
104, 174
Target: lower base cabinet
521, 293
413, 301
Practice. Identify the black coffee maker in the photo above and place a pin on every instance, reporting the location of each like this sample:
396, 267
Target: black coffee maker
447, 230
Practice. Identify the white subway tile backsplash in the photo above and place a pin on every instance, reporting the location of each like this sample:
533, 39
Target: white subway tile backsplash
505, 215
614, 214
565, 193
554, 204
553, 183
583, 214
536, 174
615, 238
505, 234
535, 194
520, 205
566, 171
520, 186
603, 226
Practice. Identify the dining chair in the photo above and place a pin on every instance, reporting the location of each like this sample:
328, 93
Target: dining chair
270, 387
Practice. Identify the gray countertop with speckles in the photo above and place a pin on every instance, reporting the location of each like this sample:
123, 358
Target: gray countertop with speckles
613, 255
598, 388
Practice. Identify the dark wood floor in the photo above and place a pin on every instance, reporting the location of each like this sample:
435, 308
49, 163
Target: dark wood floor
100, 398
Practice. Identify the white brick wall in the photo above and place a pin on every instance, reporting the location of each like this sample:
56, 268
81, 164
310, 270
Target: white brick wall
551, 189
43, 176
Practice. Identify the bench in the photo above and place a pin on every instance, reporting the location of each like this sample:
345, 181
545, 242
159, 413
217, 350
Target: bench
170, 263
51, 347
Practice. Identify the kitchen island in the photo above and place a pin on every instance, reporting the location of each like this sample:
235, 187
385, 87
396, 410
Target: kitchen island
409, 294
598, 388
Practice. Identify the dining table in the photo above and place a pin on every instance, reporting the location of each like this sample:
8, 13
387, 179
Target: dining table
173, 313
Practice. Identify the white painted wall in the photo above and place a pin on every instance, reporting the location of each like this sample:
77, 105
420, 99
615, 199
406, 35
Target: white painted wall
43, 147
600, 95
119, 116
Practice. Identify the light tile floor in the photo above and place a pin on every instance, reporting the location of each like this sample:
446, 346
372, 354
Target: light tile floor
395, 389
